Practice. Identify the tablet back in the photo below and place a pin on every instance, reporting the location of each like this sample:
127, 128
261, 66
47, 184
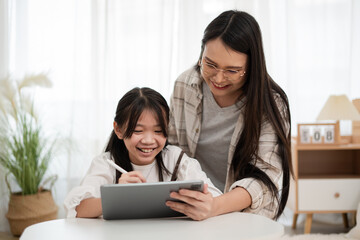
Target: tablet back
142, 200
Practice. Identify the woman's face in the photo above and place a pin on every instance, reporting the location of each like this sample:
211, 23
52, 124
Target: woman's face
224, 71
146, 141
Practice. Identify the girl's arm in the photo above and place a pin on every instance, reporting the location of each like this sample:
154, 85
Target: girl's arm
99, 173
200, 206
89, 208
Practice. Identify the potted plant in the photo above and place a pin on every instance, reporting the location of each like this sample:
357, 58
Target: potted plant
25, 153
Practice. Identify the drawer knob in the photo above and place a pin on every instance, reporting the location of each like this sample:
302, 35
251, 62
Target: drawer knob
337, 195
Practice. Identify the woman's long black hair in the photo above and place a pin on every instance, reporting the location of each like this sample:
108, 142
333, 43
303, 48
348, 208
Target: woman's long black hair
241, 32
128, 111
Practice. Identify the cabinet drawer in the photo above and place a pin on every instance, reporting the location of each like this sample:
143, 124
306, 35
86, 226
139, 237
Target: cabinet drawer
328, 194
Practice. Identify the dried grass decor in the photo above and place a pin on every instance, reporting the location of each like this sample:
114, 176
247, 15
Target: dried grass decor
25, 152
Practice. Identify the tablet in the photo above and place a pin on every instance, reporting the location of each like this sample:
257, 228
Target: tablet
142, 200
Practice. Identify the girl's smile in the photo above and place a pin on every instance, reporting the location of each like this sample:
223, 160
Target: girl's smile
146, 141
146, 150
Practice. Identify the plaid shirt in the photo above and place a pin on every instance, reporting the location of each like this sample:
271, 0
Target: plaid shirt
184, 131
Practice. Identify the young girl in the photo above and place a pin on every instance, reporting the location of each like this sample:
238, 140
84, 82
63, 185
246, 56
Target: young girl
138, 144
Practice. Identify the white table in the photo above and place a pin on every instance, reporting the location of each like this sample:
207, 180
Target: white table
229, 226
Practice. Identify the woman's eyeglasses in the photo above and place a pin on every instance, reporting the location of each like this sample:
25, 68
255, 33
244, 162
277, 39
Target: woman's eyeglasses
211, 70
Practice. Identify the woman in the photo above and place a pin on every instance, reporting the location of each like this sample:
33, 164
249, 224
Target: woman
229, 114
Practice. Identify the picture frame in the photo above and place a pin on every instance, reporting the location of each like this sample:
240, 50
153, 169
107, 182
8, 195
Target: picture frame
318, 133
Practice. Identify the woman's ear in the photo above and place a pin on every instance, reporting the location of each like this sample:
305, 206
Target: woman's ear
117, 131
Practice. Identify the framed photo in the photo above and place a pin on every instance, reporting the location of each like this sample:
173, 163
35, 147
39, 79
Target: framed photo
318, 133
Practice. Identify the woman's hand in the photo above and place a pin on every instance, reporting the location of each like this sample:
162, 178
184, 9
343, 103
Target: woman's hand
131, 177
197, 205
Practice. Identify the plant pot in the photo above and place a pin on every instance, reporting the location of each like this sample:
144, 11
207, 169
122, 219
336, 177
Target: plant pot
26, 210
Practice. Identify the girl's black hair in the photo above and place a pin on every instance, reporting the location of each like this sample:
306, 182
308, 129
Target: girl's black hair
241, 32
128, 111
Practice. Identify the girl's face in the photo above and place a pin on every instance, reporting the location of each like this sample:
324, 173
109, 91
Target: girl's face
224, 71
146, 141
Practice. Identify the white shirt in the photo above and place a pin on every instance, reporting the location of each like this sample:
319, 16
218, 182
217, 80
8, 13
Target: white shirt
100, 173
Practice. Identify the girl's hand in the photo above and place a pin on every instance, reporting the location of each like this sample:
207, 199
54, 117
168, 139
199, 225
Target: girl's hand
197, 205
131, 177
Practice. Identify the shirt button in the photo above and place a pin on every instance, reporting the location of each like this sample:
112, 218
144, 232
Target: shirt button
197, 130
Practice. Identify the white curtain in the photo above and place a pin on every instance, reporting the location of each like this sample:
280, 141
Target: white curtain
95, 51
4, 65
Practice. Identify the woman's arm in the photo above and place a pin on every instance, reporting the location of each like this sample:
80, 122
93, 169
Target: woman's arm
233, 201
89, 208
200, 206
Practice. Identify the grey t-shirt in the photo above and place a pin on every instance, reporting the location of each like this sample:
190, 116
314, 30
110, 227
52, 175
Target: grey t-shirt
217, 128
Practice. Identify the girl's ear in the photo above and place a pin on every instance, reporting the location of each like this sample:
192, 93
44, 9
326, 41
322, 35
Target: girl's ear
117, 131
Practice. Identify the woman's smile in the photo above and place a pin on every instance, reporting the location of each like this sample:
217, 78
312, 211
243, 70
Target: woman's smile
220, 86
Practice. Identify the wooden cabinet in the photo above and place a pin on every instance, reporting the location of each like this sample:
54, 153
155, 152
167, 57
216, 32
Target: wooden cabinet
327, 180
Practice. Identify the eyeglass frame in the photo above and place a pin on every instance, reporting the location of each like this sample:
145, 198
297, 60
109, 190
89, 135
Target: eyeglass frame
217, 69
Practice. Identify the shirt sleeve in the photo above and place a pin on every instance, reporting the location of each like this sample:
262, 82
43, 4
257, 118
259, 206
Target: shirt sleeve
263, 202
99, 173
183, 113
190, 169
172, 136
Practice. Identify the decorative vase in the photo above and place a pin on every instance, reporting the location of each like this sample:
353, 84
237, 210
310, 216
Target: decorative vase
26, 210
